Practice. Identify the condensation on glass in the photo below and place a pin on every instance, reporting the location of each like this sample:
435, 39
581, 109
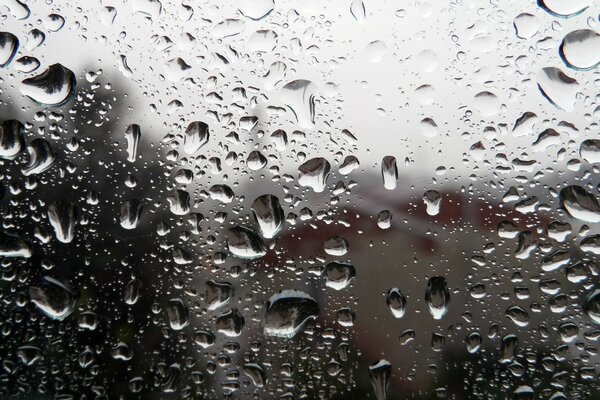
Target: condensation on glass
277, 199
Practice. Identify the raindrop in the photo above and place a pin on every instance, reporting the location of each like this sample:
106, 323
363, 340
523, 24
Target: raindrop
288, 312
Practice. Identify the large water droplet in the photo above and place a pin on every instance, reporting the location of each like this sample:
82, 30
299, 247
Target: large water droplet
313, 173
53, 87
62, 217
564, 8
379, 374
299, 96
580, 204
269, 215
133, 133
12, 139
389, 172
437, 297
196, 136
339, 275
9, 44
396, 301
288, 312
218, 294
245, 243
580, 49
557, 87
178, 313
53, 298
14, 246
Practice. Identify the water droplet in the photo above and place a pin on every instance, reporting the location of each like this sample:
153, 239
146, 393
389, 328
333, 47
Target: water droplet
336, 246
14, 246
557, 87
437, 297
375, 51
433, 202
339, 275
53, 298
313, 173
12, 139
53, 87
288, 312
396, 301
379, 374
580, 49
17, 8
389, 172
131, 211
196, 136
357, 9
218, 294
245, 243
564, 8
299, 96
178, 314
526, 25
133, 133
132, 291
580, 204
269, 215
255, 9
62, 217
230, 323
592, 306
9, 44
518, 316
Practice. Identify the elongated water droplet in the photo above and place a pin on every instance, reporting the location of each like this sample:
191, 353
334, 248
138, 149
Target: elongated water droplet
269, 215
396, 301
9, 44
218, 294
299, 96
41, 157
133, 133
379, 374
62, 217
389, 172
12, 139
357, 9
437, 297
178, 313
179, 202
131, 210
557, 87
132, 291
196, 136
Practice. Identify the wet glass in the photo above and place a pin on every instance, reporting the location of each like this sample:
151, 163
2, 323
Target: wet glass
282, 199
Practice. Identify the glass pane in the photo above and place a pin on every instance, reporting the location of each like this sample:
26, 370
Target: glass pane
262, 199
